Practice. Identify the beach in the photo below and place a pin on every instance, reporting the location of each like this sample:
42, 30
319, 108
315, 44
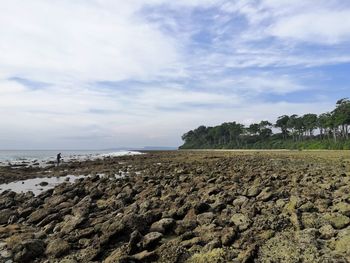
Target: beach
182, 206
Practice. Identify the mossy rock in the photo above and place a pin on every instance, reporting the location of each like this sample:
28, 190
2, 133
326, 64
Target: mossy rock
312, 220
341, 245
216, 255
343, 208
290, 246
338, 221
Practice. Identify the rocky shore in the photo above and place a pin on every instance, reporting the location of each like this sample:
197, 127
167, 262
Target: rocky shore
184, 206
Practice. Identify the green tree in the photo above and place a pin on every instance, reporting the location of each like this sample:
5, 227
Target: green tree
310, 123
282, 123
342, 116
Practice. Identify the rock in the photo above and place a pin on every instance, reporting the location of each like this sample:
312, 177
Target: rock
216, 255
327, 232
338, 221
38, 215
25, 212
145, 256
265, 194
5, 215
151, 239
119, 255
57, 248
213, 190
184, 226
312, 220
216, 243
135, 222
191, 242
291, 247
43, 183
341, 244
343, 208
241, 221
240, 200
307, 207
218, 206
28, 250
88, 254
112, 228
172, 252
253, 191
205, 218
135, 238
68, 260
201, 208
163, 226
55, 200
228, 236
70, 223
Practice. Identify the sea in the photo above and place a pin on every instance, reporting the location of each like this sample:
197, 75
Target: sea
42, 156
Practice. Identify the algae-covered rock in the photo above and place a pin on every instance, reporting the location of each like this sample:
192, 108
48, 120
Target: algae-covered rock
341, 245
57, 247
312, 220
338, 221
242, 221
265, 194
151, 239
291, 247
253, 191
28, 250
216, 255
327, 232
343, 208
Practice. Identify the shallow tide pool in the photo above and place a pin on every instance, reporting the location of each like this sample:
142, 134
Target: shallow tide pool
34, 184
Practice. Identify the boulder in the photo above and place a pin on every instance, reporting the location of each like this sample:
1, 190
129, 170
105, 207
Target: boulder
201, 208
338, 221
343, 208
163, 226
228, 236
239, 201
291, 246
241, 221
205, 218
70, 223
327, 232
145, 256
5, 215
28, 250
151, 239
38, 215
253, 191
265, 195
57, 248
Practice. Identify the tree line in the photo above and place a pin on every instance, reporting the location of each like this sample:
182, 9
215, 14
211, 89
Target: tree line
328, 130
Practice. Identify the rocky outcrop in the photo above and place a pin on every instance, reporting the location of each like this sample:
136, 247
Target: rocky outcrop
186, 207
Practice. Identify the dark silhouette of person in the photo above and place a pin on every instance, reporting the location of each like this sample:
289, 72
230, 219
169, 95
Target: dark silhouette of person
59, 157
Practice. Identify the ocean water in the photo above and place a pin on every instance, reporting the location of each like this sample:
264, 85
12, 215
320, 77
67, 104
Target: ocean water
34, 186
44, 156
41, 158
18, 155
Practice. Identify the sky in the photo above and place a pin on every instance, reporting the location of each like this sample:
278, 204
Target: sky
95, 74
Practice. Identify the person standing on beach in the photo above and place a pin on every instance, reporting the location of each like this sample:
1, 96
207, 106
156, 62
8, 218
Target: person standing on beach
59, 159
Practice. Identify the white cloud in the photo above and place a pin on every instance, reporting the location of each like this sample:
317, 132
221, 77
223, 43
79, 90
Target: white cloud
328, 27
252, 84
72, 45
84, 40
